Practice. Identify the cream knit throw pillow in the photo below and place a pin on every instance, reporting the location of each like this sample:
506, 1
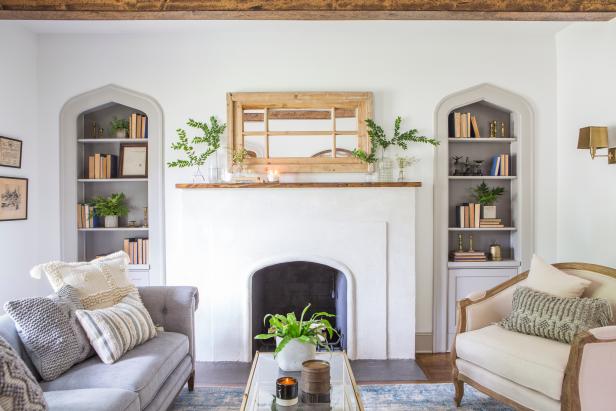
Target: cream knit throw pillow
549, 279
100, 283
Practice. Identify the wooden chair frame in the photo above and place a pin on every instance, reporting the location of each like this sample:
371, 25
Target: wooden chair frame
570, 399
338, 103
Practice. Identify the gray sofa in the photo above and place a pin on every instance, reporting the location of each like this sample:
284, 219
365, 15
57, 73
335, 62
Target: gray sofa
149, 377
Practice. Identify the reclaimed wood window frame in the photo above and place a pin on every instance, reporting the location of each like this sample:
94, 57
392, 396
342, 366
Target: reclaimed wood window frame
306, 105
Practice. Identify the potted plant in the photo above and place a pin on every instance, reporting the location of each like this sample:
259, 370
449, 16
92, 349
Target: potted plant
211, 137
111, 208
296, 341
378, 139
487, 196
238, 158
119, 127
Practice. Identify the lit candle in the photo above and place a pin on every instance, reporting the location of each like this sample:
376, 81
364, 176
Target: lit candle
273, 176
286, 391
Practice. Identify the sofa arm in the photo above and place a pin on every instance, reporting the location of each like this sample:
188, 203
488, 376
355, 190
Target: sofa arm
482, 308
591, 371
173, 308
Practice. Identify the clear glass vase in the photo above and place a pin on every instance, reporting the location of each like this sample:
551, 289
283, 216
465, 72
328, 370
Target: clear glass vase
385, 168
198, 177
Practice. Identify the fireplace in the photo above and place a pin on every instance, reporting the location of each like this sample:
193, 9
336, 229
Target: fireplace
289, 287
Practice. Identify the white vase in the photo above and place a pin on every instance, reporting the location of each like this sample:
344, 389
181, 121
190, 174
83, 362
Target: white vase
294, 354
121, 133
111, 221
489, 211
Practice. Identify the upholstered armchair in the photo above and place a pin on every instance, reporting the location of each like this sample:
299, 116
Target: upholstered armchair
533, 373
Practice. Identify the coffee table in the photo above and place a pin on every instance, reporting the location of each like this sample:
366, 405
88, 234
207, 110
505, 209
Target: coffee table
260, 390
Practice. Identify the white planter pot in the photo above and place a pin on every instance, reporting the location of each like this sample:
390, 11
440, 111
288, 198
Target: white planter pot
111, 221
489, 211
294, 354
121, 133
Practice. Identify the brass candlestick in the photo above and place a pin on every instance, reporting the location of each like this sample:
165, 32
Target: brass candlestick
470, 243
502, 129
460, 243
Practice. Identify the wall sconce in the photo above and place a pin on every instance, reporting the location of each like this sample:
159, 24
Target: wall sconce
594, 138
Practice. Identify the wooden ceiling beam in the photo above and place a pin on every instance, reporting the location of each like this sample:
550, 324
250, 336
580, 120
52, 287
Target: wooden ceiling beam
568, 10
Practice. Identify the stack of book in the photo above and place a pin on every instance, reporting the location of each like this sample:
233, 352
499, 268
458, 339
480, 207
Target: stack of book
468, 256
491, 223
465, 125
138, 250
138, 126
102, 166
468, 215
500, 165
86, 217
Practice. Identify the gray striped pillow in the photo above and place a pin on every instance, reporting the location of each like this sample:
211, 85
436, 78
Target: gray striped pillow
118, 329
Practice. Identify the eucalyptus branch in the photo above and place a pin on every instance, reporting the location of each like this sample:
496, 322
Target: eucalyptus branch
211, 137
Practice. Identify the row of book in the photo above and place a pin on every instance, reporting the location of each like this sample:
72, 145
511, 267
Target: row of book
468, 256
138, 250
86, 217
468, 215
465, 125
137, 126
102, 166
500, 165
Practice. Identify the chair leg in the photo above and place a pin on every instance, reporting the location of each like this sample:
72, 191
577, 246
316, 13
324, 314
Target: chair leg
459, 387
191, 381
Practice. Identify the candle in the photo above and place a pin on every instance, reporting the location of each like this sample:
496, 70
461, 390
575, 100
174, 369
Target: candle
286, 391
273, 176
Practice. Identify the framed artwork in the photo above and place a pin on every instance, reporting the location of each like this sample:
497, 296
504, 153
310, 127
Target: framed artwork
133, 160
10, 152
13, 198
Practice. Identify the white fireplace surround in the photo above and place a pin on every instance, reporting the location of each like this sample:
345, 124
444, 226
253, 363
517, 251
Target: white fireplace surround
350, 286
366, 233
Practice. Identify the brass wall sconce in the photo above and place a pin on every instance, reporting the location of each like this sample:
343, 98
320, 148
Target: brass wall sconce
594, 138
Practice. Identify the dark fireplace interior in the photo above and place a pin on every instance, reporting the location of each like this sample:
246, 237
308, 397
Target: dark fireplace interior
289, 287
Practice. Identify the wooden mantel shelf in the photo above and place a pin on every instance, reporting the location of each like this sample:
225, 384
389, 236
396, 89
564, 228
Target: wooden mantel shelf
300, 185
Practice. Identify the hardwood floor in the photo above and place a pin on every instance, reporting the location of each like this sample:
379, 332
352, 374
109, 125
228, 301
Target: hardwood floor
435, 367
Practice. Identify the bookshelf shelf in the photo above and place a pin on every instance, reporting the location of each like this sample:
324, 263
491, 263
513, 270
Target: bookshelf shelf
483, 229
486, 106
111, 180
115, 229
112, 140
482, 140
482, 177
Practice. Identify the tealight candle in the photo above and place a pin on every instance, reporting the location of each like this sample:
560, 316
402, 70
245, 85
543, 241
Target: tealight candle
286, 391
273, 176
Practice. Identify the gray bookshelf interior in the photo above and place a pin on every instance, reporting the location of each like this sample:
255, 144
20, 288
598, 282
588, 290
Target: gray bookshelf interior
101, 242
460, 189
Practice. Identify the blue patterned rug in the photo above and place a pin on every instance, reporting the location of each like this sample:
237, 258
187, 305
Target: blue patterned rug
395, 397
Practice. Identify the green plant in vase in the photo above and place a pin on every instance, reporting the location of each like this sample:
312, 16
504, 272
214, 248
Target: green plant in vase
380, 140
238, 158
111, 208
297, 340
119, 127
211, 138
487, 196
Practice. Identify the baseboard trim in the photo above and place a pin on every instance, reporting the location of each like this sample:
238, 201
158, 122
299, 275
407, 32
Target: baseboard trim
423, 342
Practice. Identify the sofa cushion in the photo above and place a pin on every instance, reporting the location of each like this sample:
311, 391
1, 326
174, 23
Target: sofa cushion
546, 278
142, 370
534, 362
92, 399
113, 331
50, 331
101, 283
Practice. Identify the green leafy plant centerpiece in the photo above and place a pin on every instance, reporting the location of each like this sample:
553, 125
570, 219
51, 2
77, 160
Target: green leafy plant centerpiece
119, 126
289, 331
211, 138
110, 208
485, 195
380, 141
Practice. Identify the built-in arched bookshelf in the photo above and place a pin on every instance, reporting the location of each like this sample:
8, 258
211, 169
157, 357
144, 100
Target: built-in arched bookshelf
78, 142
454, 280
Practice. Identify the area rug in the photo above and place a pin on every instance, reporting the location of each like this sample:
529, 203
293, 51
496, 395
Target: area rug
395, 397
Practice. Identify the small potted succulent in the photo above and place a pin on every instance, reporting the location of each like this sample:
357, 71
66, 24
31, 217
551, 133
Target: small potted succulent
111, 208
238, 158
297, 341
487, 196
119, 126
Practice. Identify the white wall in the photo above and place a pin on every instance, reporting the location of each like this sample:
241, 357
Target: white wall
409, 66
19, 248
586, 188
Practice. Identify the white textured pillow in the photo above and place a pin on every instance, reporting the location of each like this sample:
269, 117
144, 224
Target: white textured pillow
550, 280
100, 283
113, 331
